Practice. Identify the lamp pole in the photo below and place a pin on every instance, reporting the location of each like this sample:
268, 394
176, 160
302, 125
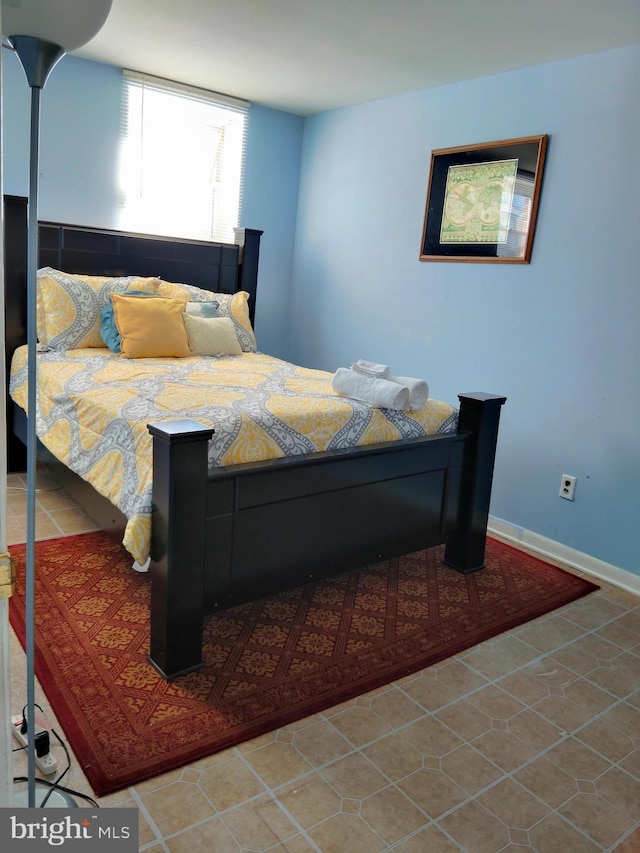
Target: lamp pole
40, 32
37, 57
5, 683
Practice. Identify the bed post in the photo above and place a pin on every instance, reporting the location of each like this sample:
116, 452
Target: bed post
178, 544
479, 417
249, 240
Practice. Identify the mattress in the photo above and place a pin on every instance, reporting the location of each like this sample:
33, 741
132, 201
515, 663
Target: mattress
94, 407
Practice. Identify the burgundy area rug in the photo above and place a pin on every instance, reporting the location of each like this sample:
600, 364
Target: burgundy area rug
267, 663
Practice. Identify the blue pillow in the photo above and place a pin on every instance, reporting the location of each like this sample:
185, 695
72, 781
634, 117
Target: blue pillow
203, 309
108, 329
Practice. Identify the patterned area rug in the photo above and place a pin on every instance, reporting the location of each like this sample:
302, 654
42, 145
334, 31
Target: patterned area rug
267, 663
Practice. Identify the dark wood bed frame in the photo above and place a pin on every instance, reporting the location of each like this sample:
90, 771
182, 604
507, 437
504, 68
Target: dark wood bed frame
231, 535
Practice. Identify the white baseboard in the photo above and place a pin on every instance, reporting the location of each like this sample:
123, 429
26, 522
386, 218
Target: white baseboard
519, 537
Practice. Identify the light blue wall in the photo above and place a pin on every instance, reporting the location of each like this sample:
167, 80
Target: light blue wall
559, 337
270, 200
79, 145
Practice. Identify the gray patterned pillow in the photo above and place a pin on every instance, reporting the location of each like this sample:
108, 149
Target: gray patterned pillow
233, 305
68, 306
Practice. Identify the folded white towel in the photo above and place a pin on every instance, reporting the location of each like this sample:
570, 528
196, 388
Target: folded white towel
418, 390
379, 393
371, 368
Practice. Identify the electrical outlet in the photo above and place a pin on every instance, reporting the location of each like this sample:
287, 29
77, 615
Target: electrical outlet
567, 487
46, 764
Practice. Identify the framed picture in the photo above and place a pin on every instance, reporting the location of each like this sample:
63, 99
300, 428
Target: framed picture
482, 201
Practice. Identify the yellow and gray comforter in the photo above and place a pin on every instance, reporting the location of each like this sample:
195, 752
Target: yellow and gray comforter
94, 407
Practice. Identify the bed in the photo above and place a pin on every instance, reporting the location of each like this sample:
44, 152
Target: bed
227, 534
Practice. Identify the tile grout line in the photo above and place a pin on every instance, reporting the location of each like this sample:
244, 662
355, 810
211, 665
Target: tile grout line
490, 682
160, 837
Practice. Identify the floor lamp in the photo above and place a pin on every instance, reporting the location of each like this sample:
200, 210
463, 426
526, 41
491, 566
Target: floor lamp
40, 32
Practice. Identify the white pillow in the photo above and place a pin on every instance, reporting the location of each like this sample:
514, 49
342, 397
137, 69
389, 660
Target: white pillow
234, 305
211, 336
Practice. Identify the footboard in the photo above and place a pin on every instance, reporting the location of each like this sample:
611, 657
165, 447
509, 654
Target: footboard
245, 531
299, 520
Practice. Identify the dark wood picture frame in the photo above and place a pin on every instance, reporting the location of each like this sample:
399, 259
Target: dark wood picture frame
482, 201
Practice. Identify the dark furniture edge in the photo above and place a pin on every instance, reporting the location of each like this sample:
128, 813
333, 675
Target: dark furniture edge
447, 478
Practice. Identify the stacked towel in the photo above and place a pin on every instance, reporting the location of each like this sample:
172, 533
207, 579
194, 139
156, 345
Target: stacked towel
373, 383
380, 393
371, 368
418, 390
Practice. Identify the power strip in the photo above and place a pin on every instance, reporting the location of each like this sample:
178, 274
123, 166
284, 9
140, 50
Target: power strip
46, 764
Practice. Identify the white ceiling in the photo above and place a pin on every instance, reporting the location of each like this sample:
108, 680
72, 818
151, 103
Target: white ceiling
305, 56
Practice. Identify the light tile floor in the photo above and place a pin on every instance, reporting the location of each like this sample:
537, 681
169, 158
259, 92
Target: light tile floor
529, 742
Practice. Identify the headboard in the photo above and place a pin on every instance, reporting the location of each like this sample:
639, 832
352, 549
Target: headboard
221, 267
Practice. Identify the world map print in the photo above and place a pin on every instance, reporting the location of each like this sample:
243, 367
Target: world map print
477, 202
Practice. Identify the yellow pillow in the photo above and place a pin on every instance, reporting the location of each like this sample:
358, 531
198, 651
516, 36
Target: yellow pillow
151, 328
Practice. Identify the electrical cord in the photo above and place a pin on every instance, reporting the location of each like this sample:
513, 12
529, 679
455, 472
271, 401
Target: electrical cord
86, 797
24, 726
55, 785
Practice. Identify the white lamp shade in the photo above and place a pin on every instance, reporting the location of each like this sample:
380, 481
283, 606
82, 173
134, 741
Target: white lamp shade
68, 23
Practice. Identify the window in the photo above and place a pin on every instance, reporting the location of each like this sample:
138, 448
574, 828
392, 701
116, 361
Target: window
182, 159
521, 206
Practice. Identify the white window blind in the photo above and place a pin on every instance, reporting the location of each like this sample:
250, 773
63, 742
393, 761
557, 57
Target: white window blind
521, 207
182, 159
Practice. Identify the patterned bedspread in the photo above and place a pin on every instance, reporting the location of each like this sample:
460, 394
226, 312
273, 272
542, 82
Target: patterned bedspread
94, 407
